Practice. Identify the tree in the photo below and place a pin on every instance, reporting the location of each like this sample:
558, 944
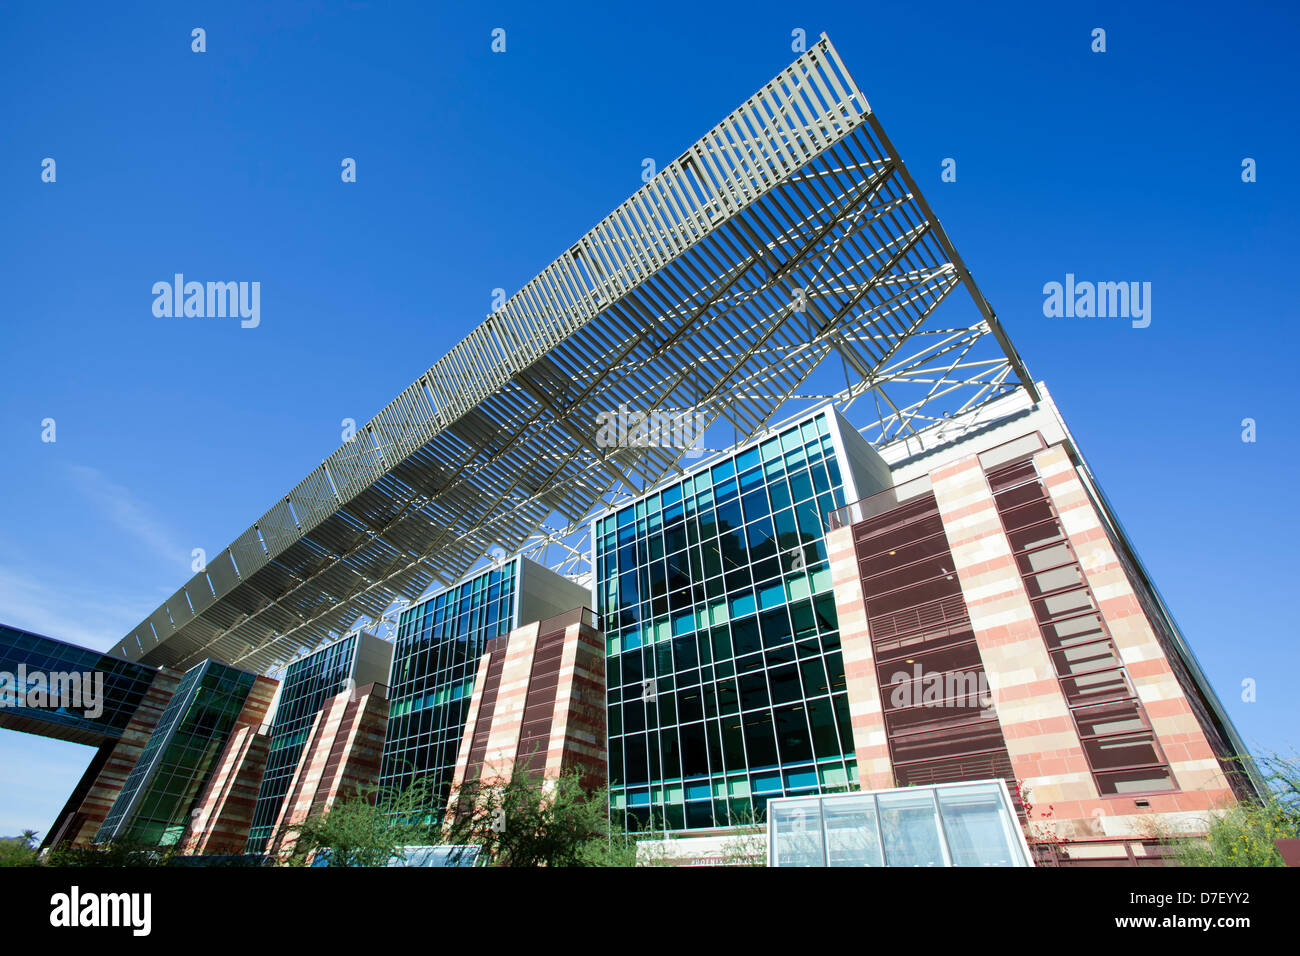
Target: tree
528, 821
368, 828
19, 850
748, 845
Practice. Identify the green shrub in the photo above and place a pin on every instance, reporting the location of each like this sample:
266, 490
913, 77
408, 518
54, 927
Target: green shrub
19, 850
1244, 834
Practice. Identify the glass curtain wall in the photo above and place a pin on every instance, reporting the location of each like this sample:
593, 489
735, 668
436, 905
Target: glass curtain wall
725, 678
162, 788
308, 683
435, 661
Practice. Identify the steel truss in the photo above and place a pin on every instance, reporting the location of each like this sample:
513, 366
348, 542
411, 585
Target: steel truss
791, 234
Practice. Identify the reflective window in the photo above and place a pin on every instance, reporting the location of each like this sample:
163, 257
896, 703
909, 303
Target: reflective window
435, 661
978, 827
742, 711
163, 787
308, 683
909, 824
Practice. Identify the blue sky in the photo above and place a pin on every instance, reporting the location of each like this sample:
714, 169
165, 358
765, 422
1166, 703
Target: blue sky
475, 169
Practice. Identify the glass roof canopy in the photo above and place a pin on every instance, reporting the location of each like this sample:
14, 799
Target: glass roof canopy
947, 824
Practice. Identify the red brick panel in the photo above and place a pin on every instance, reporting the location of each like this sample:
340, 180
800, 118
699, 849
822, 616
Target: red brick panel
578, 741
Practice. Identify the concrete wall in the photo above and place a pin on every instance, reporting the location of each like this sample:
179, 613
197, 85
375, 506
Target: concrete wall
868, 473
373, 660
544, 594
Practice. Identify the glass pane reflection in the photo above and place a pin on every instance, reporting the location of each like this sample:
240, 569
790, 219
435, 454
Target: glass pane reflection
954, 824
910, 827
797, 832
977, 827
852, 838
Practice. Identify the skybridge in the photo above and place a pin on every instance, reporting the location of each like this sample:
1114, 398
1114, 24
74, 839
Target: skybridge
788, 238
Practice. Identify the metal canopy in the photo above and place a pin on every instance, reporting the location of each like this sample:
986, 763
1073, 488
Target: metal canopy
789, 234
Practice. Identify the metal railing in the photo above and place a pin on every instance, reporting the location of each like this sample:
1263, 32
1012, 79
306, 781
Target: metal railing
877, 504
1102, 851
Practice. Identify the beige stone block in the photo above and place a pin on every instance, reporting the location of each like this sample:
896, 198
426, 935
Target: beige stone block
1022, 655
962, 529
1031, 710
1039, 744
1152, 690
1138, 824
1104, 591
1177, 725
1079, 521
984, 589
1199, 774
1002, 614
1137, 654
876, 738
981, 550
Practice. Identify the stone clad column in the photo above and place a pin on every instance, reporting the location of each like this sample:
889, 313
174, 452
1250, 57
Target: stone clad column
1172, 718
512, 697
577, 740
1044, 747
870, 741
224, 815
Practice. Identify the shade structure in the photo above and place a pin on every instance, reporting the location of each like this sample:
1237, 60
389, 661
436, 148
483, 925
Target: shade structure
789, 235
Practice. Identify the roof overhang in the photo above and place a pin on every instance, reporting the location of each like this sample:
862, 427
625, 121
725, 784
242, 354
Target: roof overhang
790, 233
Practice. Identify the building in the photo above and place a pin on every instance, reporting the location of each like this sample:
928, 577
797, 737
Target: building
538, 706
790, 239
726, 677
310, 682
99, 710
912, 581
119, 708
438, 655
341, 759
163, 788
977, 613
997, 623
219, 822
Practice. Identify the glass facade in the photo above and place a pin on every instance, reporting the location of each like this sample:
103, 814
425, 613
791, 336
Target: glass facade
435, 661
165, 783
958, 824
725, 678
308, 683
125, 683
